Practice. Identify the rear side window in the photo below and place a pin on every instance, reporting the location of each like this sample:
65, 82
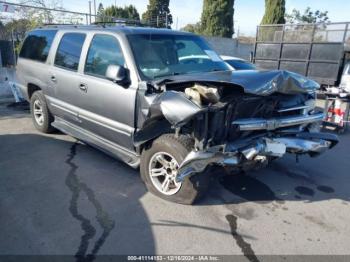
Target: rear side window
69, 51
37, 45
104, 51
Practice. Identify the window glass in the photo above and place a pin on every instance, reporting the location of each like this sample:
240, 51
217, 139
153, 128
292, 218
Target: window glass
37, 45
69, 51
104, 51
164, 55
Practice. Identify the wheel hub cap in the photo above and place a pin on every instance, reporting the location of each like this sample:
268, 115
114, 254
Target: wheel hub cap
38, 112
163, 171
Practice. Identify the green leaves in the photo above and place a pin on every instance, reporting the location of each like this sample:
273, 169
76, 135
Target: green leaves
127, 12
217, 18
158, 14
308, 16
274, 12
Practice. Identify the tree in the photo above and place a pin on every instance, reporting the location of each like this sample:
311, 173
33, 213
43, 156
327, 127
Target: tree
274, 12
217, 18
40, 16
127, 12
309, 16
158, 14
16, 30
19, 27
193, 28
100, 13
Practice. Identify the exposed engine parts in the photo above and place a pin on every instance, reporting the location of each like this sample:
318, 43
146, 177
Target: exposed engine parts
203, 95
243, 119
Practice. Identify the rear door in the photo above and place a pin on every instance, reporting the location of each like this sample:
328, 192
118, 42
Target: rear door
64, 78
105, 108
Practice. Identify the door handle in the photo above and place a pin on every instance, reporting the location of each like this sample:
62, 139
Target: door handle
83, 87
53, 79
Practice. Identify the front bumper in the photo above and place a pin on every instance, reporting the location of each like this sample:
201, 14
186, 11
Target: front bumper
239, 153
275, 123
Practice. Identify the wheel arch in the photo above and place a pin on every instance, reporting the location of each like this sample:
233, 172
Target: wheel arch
31, 89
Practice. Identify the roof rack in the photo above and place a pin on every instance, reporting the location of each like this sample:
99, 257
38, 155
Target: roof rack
121, 21
63, 25
58, 24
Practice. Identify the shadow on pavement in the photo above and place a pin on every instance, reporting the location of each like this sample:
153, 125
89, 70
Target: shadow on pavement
76, 200
69, 197
14, 110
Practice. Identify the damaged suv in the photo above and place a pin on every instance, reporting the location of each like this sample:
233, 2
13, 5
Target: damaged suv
165, 102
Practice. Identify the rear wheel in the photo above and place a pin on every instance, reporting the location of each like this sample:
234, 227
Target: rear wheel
41, 115
159, 165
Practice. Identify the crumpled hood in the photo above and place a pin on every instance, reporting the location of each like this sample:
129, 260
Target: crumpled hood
255, 82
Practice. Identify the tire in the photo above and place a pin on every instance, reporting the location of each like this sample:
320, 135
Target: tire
168, 146
38, 106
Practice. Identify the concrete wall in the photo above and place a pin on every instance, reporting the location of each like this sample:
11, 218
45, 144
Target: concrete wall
230, 47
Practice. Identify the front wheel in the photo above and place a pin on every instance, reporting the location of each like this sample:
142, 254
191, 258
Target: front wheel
159, 165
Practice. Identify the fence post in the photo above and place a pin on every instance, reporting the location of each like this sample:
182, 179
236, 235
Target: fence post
166, 20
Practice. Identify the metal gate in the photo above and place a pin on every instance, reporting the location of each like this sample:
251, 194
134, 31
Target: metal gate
313, 50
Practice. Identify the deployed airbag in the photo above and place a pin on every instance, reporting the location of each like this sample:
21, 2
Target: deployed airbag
176, 107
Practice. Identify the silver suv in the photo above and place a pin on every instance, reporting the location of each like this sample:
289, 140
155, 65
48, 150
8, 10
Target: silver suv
165, 102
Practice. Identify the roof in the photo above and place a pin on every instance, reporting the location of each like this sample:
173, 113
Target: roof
127, 30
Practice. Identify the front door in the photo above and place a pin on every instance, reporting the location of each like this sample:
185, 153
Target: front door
105, 108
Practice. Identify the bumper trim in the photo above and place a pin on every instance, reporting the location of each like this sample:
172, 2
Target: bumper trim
274, 123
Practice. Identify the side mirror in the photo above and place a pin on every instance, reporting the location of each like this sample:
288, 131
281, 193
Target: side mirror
117, 74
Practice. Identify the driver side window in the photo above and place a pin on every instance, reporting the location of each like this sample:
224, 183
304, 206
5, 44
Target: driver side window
104, 51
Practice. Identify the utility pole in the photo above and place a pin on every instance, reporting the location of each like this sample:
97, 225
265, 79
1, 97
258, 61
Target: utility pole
166, 20
95, 7
90, 11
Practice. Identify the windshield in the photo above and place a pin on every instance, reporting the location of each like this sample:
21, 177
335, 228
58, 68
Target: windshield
166, 55
241, 65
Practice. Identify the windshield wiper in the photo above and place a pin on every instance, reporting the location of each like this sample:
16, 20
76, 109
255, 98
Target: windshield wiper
167, 74
218, 70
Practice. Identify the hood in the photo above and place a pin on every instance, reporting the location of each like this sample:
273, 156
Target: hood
255, 82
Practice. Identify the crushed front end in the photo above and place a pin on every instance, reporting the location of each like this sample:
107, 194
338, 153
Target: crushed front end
243, 120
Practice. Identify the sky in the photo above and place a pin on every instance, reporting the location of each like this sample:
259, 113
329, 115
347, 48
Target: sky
248, 13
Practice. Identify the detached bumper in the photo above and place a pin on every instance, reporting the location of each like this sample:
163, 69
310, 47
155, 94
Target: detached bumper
234, 154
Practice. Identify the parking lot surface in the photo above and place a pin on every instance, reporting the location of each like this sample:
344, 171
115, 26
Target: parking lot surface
60, 196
